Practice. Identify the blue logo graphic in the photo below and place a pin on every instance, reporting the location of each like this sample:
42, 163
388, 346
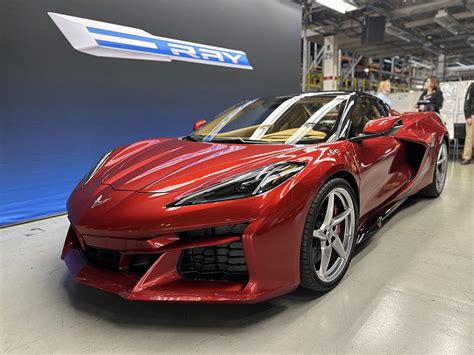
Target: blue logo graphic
114, 41
176, 49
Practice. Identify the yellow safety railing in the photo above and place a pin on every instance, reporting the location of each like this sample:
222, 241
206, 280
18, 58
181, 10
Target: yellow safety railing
314, 82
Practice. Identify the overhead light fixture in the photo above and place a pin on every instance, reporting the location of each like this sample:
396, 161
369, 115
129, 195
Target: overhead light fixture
400, 33
418, 64
448, 22
470, 41
341, 6
430, 47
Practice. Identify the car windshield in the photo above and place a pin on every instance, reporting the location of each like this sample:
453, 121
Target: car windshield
307, 118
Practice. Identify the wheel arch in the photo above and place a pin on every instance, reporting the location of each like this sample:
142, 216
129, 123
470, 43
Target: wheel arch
446, 140
349, 177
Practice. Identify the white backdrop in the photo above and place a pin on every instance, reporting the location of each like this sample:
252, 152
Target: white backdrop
405, 101
453, 107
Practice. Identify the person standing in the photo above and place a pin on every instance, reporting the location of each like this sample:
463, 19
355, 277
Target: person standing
468, 113
431, 99
384, 89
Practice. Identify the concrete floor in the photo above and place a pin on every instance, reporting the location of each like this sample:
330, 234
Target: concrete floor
409, 290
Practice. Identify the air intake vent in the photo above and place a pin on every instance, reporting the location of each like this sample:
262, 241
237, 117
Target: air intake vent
108, 259
218, 262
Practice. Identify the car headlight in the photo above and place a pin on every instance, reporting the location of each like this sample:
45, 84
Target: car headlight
244, 185
96, 167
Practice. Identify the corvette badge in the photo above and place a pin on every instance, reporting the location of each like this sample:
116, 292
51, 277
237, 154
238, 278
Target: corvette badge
98, 201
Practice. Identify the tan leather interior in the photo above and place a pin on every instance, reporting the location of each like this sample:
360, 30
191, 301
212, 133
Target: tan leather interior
286, 134
242, 132
294, 118
276, 136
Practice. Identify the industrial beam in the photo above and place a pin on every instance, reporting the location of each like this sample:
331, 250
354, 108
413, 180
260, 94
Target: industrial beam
429, 21
424, 8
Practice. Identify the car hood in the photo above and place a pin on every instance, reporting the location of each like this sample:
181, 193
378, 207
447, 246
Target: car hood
175, 164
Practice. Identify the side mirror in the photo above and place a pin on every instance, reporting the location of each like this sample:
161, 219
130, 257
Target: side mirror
382, 125
378, 128
198, 124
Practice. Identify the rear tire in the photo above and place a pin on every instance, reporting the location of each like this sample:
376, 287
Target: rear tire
436, 187
329, 236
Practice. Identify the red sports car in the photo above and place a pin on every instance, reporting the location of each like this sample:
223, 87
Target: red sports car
272, 194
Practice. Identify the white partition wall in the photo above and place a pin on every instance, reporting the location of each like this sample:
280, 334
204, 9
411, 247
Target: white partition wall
405, 101
453, 107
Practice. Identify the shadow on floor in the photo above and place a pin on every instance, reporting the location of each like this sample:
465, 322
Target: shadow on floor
113, 308
137, 313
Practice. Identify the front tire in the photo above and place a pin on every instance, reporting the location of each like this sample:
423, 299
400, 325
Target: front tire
329, 236
439, 175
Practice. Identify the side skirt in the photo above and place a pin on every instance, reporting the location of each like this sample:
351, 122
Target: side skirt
372, 228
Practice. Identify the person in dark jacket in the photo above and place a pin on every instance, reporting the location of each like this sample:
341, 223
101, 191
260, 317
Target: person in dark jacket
431, 99
468, 113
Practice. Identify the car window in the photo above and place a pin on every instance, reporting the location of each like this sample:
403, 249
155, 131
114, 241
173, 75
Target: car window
373, 109
358, 117
301, 119
365, 110
382, 108
300, 113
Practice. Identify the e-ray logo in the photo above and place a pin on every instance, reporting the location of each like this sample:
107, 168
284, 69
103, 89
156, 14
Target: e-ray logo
108, 40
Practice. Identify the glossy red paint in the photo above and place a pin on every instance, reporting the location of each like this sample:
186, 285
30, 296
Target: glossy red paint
124, 209
381, 125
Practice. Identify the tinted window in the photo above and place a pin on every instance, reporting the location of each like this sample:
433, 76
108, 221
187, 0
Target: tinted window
373, 109
365, 109
383, 108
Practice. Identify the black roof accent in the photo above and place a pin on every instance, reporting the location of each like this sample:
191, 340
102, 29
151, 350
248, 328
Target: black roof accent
326, 92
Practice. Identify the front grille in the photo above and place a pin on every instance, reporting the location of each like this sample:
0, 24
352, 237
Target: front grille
227, 230
218, 262
108, 259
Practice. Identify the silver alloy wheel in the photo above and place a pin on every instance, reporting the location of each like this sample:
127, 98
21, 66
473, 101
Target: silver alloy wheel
335, 233
441, 168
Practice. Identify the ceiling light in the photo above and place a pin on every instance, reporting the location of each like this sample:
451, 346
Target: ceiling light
448, 22
470, 41
419, 64
341, 6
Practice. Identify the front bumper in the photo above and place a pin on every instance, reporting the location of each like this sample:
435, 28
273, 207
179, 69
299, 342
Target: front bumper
163, 280
133, 223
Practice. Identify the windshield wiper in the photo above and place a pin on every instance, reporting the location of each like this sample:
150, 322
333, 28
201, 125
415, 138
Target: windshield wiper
192, 138
309, 141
